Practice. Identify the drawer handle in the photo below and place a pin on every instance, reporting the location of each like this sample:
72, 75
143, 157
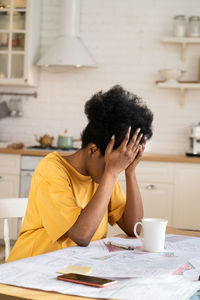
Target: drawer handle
150, 187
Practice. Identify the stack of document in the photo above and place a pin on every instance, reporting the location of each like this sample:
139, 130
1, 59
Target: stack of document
171, 274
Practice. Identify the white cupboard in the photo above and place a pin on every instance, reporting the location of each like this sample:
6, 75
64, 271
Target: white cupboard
9, 175
156, 180
186, 212
19, 42
9, 184
156, 183
169, 190
157, 201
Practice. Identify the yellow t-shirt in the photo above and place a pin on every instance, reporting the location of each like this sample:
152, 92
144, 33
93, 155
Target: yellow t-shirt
58, 193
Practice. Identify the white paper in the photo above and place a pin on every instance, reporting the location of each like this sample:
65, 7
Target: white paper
139, 274
195, 261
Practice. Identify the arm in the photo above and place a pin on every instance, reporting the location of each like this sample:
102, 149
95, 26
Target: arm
133, 211
90, 217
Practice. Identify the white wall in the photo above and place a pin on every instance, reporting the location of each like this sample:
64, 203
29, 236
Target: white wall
123, 37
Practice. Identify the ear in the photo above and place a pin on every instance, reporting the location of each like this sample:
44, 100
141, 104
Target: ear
92, 150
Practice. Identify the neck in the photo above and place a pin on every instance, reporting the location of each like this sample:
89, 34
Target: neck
78, 161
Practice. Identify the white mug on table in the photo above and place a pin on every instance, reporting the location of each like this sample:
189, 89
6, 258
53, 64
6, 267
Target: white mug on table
154, 234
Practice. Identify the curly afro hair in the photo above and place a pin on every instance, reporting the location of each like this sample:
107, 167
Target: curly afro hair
113, 112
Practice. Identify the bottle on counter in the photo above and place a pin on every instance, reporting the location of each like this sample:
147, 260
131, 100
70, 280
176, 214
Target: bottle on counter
193, 26
179, 29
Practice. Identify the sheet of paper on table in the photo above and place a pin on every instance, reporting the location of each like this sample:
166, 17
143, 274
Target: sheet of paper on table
139, 274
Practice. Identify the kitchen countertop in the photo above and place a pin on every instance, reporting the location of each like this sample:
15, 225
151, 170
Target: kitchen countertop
31, 152
146, 157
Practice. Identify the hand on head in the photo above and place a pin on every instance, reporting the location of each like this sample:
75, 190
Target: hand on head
126, 156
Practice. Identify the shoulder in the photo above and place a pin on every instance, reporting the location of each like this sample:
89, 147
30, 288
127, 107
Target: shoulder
52, 165
51, 159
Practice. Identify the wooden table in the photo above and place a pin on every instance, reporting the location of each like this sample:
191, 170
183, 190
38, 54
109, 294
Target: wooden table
24, 293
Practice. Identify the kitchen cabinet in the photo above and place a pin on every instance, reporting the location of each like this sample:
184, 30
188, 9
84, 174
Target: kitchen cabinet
19, 42
156, 182
9, 185
172, 191
169, 190
9, 175
187, 196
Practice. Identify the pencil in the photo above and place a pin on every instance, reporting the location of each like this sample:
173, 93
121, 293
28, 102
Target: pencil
120, 245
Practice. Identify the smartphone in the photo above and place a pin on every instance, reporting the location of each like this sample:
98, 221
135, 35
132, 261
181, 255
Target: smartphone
88, 280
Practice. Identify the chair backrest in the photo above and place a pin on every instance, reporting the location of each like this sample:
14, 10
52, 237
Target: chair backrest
13, 207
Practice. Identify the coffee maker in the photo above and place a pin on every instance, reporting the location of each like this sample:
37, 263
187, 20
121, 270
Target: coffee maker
194, 141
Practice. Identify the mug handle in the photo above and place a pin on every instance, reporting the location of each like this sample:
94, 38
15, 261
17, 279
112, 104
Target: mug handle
135, 232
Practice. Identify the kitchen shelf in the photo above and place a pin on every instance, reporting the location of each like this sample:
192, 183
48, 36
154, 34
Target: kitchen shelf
183, 41
181, 85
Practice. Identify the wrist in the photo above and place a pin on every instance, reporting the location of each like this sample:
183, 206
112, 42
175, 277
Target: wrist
130, 173
110, 173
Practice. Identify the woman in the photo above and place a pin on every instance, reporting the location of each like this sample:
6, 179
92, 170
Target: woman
72, 198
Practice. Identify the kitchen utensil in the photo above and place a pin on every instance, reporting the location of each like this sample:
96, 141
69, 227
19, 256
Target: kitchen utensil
16, 146
45, 140
171, 75
4, 110
65, 141
13, 107
19, 107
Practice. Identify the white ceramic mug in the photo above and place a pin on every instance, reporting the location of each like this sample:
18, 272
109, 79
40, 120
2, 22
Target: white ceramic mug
154, 234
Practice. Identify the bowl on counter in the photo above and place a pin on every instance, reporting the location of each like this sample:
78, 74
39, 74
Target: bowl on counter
171, 75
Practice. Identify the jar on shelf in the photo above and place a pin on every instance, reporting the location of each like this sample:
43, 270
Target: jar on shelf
179, 29
194, 26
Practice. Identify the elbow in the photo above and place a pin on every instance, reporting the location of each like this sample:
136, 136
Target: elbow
80, 237
80, 240
82, 243
130, 233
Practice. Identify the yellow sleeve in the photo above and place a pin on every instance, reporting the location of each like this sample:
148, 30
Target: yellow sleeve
55, 201
116, 205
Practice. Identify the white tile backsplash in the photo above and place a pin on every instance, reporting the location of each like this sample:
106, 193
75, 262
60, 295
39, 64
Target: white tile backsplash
123, 37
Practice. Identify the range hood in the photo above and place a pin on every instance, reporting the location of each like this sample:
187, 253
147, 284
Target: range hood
67, 50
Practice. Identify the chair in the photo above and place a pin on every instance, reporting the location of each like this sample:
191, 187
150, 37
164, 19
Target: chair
11, 208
